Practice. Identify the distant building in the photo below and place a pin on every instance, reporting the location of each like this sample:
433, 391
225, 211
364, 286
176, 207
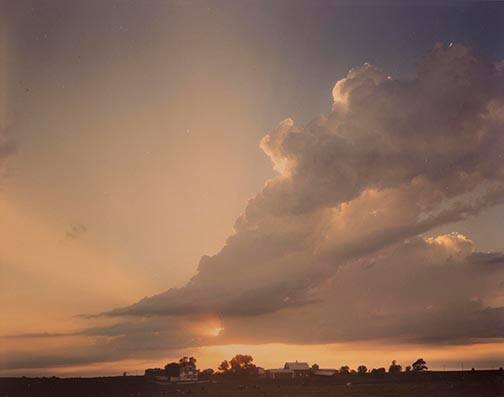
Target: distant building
157, 375
280, 373
300, 369
290, 370
188, 373
325, 372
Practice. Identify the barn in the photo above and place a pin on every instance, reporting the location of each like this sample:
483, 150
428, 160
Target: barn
300, 369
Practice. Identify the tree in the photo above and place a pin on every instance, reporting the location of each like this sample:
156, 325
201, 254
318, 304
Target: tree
241, 364
378, 371
361, 369
419, 365
187, 362
408, 368
315, 367
224, 366
345, 369
207, 373
172, 369
394, 368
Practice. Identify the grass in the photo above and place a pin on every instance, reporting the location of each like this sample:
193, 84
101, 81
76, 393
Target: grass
426, 385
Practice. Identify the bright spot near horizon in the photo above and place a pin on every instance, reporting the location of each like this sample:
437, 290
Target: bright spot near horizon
216, 331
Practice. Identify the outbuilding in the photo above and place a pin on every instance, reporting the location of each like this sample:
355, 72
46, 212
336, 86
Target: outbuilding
280, 373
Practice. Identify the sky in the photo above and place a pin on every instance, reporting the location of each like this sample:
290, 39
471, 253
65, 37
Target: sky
310, 180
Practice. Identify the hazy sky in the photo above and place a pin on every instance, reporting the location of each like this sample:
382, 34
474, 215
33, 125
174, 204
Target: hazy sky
130, 147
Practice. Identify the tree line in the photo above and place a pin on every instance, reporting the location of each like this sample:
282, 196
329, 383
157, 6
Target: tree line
242, 365
418, 366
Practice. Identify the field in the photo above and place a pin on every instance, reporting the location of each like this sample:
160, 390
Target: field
479, 384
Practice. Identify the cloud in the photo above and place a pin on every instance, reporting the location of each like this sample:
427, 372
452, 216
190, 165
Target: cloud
337, 246
152, 338
76, 231
424, 290
394, 159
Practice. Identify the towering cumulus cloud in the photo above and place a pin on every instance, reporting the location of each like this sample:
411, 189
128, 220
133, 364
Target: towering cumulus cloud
340, 238
392, 160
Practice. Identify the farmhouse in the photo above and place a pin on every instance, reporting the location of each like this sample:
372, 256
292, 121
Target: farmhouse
188, 373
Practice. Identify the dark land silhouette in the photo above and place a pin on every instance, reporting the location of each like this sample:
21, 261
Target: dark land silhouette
488, 383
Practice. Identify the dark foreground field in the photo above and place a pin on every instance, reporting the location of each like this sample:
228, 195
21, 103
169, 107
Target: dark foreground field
484, 384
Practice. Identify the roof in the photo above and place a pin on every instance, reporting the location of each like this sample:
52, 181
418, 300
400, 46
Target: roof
280, 370
297, 366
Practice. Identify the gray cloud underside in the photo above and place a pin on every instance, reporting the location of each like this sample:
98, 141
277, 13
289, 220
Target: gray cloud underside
379, 297
395, 300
